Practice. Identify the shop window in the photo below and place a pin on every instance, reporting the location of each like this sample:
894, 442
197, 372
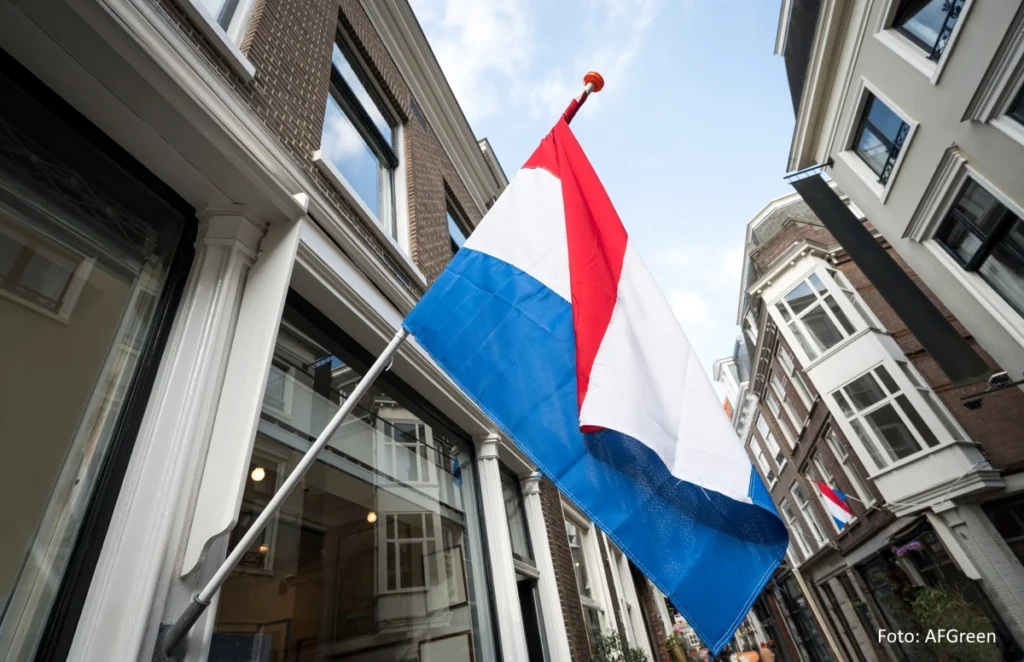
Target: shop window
1008, 518
377, 554
815, 318
90, 260
358, 138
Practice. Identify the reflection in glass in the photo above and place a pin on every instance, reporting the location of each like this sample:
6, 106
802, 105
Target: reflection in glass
373, 555
891, 429
578, 558
516, 517
350, 153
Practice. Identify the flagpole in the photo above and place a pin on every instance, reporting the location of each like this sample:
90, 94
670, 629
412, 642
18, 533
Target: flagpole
174, 635
177, 631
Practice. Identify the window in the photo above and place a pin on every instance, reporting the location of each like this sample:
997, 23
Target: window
793, 419
841, 281
456, 236
936, 405
278, 394
1016, 109
230, 15
516, 514
814, 316
769, 442
1008, 518
358, 139
851, 471
883, 418
589, 570
579, 559
820, 472
789, 367
769, 475
75, 376
355, 560
880, 137
928, 23
807, 513
796, 534
987, 238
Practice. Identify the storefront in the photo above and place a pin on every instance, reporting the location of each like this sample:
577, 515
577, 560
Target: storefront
93, 258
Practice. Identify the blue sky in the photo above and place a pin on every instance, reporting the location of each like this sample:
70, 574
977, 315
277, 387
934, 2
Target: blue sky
690, 135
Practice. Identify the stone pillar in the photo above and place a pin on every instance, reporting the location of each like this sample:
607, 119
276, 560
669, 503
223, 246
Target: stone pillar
503, 573
551, 606
130, 585
981, 553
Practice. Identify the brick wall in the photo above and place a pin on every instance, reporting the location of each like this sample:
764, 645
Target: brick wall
289, 43
651, 615
565, 574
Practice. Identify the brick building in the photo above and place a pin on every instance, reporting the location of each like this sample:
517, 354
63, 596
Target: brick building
214, 214
839, 391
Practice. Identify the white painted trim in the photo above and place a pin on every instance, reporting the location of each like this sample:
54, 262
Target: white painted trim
601, 597
910, 52
341, 185
852, 160
220, 40
547, 585
1004, 77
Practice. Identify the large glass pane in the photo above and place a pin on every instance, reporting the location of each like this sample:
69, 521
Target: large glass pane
362, 562
960, 240
872, 149
516, 517
886, 122
579, 561
355, 83
800, 297
1004, 267
803, 341
844, 321
344, 147
220, 10
887, 380
899, 441
869, 444
821, 328
916, 420
455, 234
85, 250
864, 391
978, 207
924, 21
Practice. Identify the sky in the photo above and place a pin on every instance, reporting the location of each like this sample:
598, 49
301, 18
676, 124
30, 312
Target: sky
690, 135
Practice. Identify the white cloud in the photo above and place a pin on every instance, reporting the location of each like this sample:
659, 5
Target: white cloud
675, 257
691, 310
486, 49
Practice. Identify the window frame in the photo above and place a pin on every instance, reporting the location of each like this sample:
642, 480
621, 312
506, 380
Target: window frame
454, 218
792, 523
807, 514
767, 437
844, 459
600, 599
855, 421
909, 48
389, 447
894, 145
227, 41
804, 340
386, 542
864, 93
757, 451
1008, 218
789, 368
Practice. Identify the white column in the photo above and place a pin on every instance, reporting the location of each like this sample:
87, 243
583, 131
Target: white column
503, 573
129, 585
551, 606
823, 625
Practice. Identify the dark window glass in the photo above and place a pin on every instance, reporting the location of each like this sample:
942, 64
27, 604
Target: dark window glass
928, 23
1016, 110
880, 138
1008, 518
986, 237
516, 514
455, 234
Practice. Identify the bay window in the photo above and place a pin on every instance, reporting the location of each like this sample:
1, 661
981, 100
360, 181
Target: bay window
358, 139
851, 471
844, 285
934, 403
815, 318
883, 418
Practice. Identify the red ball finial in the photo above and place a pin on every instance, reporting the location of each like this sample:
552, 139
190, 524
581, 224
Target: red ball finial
595, 79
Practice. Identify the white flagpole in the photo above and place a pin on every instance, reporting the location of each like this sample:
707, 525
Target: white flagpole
177, 631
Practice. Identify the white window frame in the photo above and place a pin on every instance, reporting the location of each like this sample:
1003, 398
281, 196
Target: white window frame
288, 376
385, 541
388, 448
227, 42
942, 413
780, 391
792, 523
950, 177
842, 456
852, 160
788, 365
600, 600
806, 510
1002, 82
916, 402
770, 442
632, 614
860, 308
910, 52
766, 471
786, 325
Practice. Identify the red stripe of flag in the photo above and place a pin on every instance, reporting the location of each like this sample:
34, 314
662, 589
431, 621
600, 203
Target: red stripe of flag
597, 245
832, 496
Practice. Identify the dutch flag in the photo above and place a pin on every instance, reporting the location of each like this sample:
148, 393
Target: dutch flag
549, 320
835, 504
